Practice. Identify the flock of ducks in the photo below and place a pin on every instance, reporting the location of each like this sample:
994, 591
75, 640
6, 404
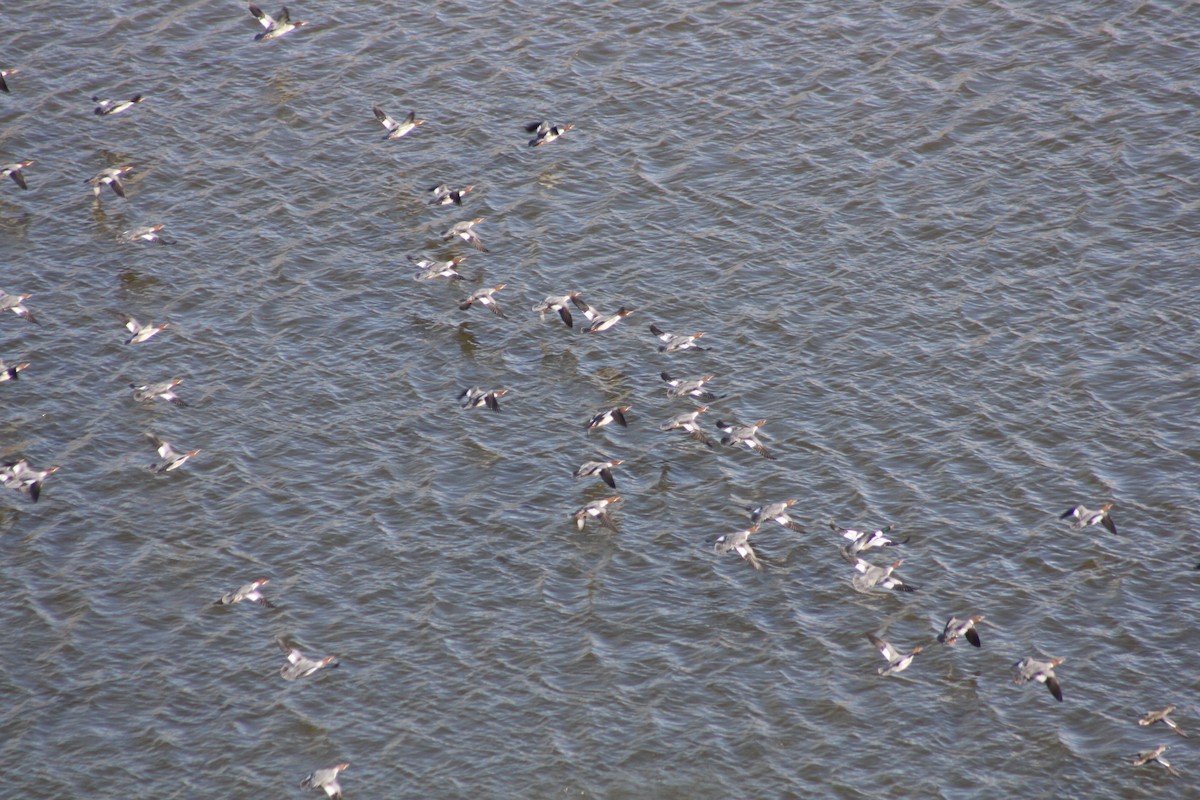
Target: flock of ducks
22, 477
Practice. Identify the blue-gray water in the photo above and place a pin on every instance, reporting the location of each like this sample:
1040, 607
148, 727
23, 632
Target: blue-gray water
947, 251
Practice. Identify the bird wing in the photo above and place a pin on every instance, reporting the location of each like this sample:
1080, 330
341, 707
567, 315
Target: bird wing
385, 120
883, 647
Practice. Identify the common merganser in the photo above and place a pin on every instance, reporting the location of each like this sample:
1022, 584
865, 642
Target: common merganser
4, 73
275, 26
106, 108
616, 415
249, 591
14, 171
326, 779
559, 303
138, 332
8, 373
1152, 717
485, 297
600, 322
1032, 669
691, 387
865, 540
475, 397
146, 233
603, 469
776, 512
172, 459
544, 132
896, 661
300, 665
599, 510
1081, 517
956, 627
24, 478
1156, 754
110, 176
873, 576
673, 342
396, 129
443, 195
745, 435
687, 422
740, 543
16, 304
438, 269
466, 232
147, 393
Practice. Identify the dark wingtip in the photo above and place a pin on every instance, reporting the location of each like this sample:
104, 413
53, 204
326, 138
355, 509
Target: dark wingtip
973, 637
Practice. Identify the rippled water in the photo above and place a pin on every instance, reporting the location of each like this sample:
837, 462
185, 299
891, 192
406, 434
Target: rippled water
946, 250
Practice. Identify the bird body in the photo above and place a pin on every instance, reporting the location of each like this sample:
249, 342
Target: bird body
485, 297
14, 171
872, 576
466, 231
601, 469
1082, 517
673, 342
110, 176
961, 628
598, 510
476, 397
300, 665
746, 435
687, 423
325, 779
164, 390
172, 459
106, 108
603, 418
23, 477
276, 26
1032, 669
16, 304
443, 195
397, 129
897, 661
138, 332
544, 132
739, 542
248, 592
